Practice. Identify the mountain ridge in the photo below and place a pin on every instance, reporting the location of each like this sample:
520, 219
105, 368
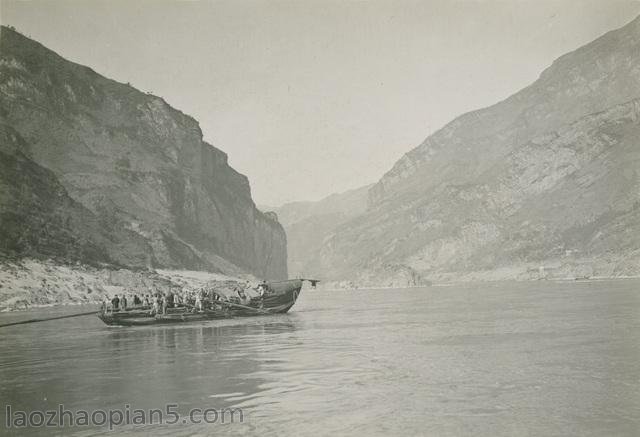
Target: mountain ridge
444, 208
609, 96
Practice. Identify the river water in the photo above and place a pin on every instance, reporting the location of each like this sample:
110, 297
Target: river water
506, 359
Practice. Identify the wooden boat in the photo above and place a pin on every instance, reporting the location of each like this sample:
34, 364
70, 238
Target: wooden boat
278, 298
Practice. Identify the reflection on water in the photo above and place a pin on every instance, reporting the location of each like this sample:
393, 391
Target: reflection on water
507, 359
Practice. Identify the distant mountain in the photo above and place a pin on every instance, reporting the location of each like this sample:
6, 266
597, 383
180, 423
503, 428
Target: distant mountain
308, 224
95, 170
542, 184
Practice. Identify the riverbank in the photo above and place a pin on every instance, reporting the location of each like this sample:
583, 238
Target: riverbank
550, 270
31, 283
332, 287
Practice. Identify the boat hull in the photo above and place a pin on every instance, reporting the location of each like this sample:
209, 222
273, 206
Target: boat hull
281, 297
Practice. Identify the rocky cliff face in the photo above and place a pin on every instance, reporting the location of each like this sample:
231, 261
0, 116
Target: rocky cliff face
39, 218
137, 166
595, 77
542, 184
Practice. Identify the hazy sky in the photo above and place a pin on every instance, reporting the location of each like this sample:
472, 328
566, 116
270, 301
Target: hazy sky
314, 97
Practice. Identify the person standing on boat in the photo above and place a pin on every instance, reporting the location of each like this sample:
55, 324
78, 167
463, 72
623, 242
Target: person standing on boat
199, 301
241, 295
164, 303
207, 298
123, 301
155, 308
170, 299
115, 303
263, 288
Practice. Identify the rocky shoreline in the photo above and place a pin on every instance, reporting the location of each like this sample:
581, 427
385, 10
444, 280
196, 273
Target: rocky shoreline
560, 269
350, 286
31, 283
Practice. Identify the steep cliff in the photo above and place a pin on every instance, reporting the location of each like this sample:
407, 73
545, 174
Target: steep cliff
137, 165
542, 184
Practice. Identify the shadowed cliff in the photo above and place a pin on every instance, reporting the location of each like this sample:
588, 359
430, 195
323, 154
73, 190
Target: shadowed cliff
132, 163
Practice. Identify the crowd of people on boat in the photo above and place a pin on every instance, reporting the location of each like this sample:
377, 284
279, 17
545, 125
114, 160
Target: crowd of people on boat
195, 300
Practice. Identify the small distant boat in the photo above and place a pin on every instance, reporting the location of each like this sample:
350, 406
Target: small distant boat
278, 298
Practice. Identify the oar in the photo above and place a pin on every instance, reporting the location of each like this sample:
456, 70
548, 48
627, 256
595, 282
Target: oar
46, 319
258, 310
